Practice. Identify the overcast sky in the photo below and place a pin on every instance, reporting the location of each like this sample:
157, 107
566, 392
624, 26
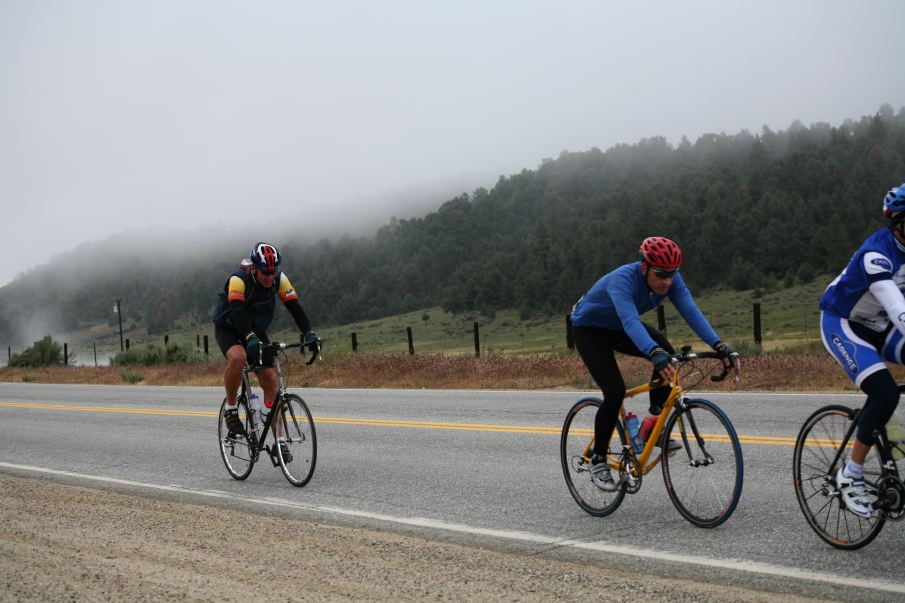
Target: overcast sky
170, 115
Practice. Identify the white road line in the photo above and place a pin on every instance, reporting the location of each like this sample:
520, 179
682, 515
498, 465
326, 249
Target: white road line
648, 554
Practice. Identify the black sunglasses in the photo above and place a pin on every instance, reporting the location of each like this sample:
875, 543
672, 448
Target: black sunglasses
664, 274
267, 272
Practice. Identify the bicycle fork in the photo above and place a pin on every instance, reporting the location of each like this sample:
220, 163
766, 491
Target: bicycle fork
683, 413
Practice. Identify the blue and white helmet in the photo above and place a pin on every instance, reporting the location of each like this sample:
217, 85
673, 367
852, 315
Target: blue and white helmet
894, 203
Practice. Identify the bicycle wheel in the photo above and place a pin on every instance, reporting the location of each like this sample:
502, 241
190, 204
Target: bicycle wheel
237, 451
815, 479
296, 446
574, 452
704, 478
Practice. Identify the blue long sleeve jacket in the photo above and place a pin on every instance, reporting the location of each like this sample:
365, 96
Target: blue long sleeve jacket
618, 299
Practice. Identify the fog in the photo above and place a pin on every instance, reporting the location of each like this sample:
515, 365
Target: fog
233, 116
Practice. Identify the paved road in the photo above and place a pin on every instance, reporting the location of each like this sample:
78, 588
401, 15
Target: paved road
386, 460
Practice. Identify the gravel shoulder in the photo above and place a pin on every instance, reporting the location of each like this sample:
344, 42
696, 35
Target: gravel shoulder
63, 542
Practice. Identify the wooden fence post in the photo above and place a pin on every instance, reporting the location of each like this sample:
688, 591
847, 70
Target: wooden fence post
354, 342
477, 342
205, 345
95, 354
570, 341
66, 354
757, 333
661, 318
127, 343
408, 331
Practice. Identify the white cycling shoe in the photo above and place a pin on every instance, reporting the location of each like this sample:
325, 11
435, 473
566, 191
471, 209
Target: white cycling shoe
854, 494
601, 476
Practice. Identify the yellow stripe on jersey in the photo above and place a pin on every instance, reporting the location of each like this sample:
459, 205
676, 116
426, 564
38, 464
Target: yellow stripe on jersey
286, 291
236, 289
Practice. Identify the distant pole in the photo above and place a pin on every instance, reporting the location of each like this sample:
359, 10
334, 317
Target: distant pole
119, 313
205, 345
166, 340
408, 331
757, 334
95, 354
354, 342
661, 319
477, 342
570, 341
66, 354
9, 353
197, 341
127, 343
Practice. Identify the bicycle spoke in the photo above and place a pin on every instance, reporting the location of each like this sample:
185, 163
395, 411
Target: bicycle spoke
816, 449
705, 484
296, 445
575, 447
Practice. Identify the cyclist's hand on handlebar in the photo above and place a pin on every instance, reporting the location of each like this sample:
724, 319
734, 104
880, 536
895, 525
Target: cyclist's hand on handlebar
310, 340
253, 348
663, 363
727, 355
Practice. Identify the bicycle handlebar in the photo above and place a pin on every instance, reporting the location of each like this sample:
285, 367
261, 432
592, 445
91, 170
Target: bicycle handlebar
688, 356
280, 346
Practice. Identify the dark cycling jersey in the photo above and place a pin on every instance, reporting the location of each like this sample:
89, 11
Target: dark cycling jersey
259, 302
617, 300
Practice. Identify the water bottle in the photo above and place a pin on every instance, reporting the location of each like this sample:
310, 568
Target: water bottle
265, 410
633, 427
896, 437
647, 426
256, 409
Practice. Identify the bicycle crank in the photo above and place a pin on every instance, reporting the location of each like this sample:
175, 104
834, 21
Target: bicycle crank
891, 497
630, 474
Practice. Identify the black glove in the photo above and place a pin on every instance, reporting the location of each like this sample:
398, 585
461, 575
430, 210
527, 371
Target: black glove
310, 341
661, 359
722, 348
252, 348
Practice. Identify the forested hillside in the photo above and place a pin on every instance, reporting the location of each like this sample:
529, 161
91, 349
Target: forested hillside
747, 209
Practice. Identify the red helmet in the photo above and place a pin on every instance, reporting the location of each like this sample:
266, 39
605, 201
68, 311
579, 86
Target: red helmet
660, 252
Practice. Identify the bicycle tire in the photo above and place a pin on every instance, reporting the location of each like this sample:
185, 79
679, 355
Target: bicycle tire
577, 431
295, 429
237, 451
815, 479
703, 479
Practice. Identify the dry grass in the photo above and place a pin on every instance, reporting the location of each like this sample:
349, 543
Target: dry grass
770, 372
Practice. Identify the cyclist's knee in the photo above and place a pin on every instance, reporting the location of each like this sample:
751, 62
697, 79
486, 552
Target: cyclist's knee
235, 358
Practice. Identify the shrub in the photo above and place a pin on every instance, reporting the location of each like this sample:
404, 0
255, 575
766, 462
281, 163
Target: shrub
27, 378
46, 352
152, 355
130, 377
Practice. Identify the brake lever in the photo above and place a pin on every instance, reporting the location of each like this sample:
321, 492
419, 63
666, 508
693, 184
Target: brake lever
316, 353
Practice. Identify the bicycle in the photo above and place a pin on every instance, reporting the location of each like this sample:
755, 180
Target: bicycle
295, 442
703, 478
819, 452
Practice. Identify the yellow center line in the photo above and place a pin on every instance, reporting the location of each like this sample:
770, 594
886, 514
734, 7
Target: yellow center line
528, 429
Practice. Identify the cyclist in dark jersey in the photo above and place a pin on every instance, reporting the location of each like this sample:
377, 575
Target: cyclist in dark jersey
607, 319
244, 313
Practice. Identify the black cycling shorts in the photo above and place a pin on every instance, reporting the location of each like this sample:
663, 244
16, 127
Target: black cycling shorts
227, 337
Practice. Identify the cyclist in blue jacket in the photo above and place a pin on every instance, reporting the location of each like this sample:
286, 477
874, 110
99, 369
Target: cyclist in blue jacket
607, 319
862, 322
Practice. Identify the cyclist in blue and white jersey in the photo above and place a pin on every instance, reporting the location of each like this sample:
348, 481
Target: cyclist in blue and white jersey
607, 319
863, 327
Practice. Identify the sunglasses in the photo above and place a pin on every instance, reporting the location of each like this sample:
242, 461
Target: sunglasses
267, 272
664, 274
